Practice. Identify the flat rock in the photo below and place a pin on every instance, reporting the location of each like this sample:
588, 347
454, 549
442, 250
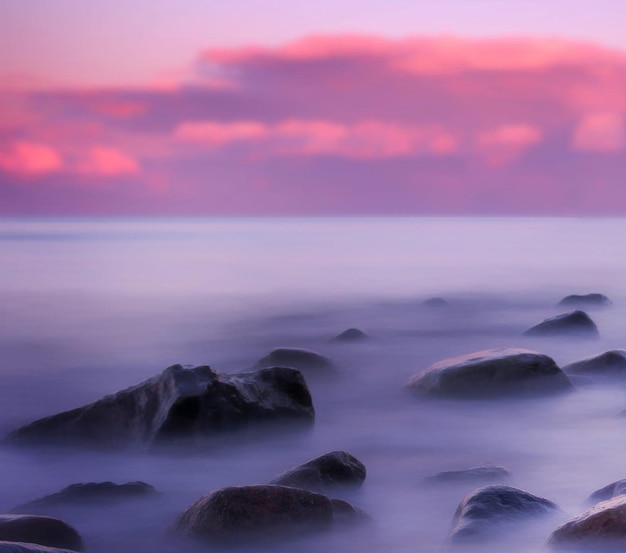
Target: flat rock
574, 323
482, 473
190, 404
239, 514
51, 532
602, 526
16, 547
585, 300
608, 492
81, 494
483, 510
309, 362
611, 363
492, 373
351, 335
334, 469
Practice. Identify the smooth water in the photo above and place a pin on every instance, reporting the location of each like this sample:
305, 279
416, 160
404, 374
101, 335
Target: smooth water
90, 307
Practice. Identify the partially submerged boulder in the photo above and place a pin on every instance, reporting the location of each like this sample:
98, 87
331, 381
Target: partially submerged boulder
609, 491
239, 514
179, 403
482, 473
334, 469
309, 362
483, 510
492, 373
602, 526
51, 532
609, 364
351, 335
88, 493
585, 300
574, 323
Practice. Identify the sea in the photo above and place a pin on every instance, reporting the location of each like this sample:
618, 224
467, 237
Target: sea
91, 306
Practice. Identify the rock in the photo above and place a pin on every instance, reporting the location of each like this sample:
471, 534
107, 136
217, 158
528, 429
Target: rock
333, 469
435, 302
48, 531
611, 363
81, 494
482, 473
309, 362
586, 300
351, 335
492, 373
574, 323
608, 492
346, 513
252, 512
15, 547
193, 404
484, 509
602, 525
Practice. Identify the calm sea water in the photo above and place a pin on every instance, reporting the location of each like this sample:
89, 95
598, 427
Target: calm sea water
90, 307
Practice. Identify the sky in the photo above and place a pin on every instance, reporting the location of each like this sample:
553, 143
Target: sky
278, 107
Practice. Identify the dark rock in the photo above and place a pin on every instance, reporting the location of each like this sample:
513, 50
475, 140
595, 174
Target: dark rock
492, 373
351, 335
179, 403
602, 526
608, 492
346, 513
574, 323
15, 547
585, 300
81, 494
333, 469
611, 363
309, 362
483, 473
434, 302
484, 509
48, 531
251, 512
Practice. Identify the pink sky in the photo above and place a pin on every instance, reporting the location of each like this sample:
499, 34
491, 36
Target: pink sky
354, 117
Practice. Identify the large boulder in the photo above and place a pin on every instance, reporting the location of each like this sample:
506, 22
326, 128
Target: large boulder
609, 491
48, 531
482, 473
88, 493
609, 364
492, 373
311, 363
193, 404
602, 526
574, 323
351, 335
15, 547
247, 513
334, 469
481, 512
585, 300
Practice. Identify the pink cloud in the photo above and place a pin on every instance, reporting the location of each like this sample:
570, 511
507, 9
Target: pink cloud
214, 134
600, 132
103, 161
30, 159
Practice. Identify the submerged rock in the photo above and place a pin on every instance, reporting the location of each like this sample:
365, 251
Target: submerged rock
239, 514
179, 403
351, 335
601, 526
15, 547
484, 509
51, 532
574, 323
92, 492
608, 492
482, 473
585, 300
611, 363
435, 302
333, 469
492, 373
309, 362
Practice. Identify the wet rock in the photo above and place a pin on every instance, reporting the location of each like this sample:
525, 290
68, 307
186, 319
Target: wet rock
51, 532
309, 362
608, 492
601, 527
351, 335
246, 513
482, 473
435, 302
81, 494
574, 323
492, 373
611, 363
482, 511
346, 513
585, 300
333, 469
15, 547
191, 404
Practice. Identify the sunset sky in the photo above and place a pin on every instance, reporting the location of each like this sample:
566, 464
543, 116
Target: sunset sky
280, 107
